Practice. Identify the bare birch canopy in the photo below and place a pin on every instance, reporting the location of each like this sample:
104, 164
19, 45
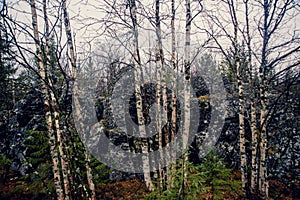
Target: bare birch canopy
149, 82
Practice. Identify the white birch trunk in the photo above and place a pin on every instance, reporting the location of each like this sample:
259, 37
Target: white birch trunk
173, 65
71, 51
158, 112
263, 73
142, 129
240, 82
187, 73
187, 89
173, 90
254, 147
52, 141
161, 87
242, 127
63, 157
139, 103
254, 129
253, 118
263, 182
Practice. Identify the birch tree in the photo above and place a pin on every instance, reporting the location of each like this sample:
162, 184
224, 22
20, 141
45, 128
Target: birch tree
49, 50
175, 68
138, 83
71, 51
151, 17
253, 101
275, 15
236, 69
187, 84
159, 61
55, 107
52, 141
264, 23
240, 84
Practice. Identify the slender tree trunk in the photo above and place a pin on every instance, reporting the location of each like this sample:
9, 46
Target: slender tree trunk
89, 176
253, 118
263, 182
173, 65
71, 48
242, 127
173, 91
63, 158
158, 88
161, 91
71, 51
141, 122
187, 73
263, 73
52, 140
254, 131
139, 103
187, 90
240, 84
159, 120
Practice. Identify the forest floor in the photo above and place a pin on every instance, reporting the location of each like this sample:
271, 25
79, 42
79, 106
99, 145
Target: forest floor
134, 189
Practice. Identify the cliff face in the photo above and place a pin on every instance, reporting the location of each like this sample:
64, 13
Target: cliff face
283, 153
26, 115
283, 135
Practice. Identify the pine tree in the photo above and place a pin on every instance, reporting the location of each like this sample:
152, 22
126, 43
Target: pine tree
7, 96
212, 179
189, 177
219, 179
39, 177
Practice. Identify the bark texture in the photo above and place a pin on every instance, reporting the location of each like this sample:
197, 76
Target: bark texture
47, 104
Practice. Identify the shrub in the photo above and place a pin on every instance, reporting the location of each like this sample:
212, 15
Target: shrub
209, 180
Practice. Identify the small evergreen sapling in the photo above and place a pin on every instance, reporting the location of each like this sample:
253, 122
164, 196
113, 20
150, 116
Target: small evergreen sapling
180, 186
219, 180
209, 180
